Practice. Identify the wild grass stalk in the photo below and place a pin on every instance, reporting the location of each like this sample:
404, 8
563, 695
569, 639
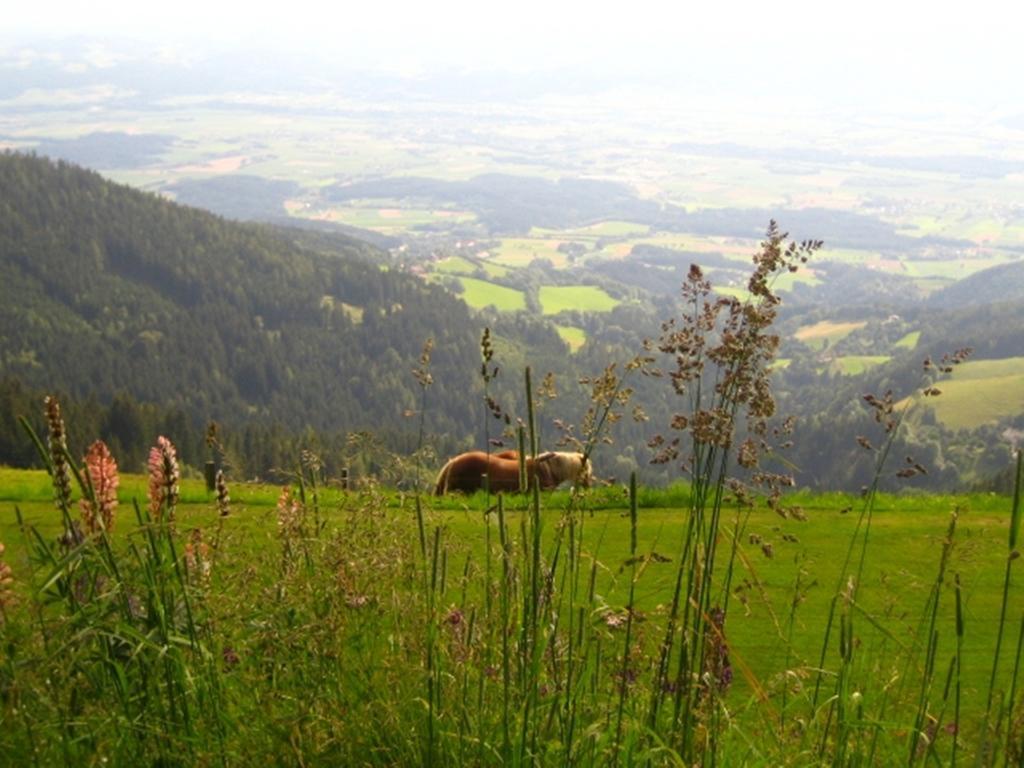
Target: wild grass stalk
625, 671
849, 581
959, 663
722, 349
1015, 711
921, 737
1012, 555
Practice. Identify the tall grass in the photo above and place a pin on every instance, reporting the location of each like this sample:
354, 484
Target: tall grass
360, 633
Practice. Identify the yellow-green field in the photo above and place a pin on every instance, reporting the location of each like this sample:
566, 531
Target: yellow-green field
520, 251
816, 335
455, 265
388, 220
909, 341
571, 335
850, 365
981, 392
585, 298
480, 293
593, 231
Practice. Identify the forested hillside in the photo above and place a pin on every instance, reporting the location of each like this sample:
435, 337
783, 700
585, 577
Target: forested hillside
107, 292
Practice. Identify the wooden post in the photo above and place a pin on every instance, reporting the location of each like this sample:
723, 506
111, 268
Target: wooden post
344, 478
210, 473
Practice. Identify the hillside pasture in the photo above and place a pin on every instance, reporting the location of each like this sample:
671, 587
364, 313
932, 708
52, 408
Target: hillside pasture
455, 265
909, 341
584, 298
386, 217
827, 332
520, 251
481, 293
980, 392
571, 335
853, 365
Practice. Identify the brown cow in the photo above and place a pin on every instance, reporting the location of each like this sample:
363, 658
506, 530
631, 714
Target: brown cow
466, 471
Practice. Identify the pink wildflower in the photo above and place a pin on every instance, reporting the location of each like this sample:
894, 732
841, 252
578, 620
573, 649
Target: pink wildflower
6, 582
102, 469
163, 478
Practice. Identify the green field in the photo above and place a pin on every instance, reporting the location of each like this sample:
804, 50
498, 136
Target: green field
980, 392
819, 334
585, 298
571, 335
455, 265
852, 365
520, 251
909, 341
363, 608
388, 217
593, 231
480, 293
459, 265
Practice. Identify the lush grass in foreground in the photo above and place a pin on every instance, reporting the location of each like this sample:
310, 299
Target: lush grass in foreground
370, 633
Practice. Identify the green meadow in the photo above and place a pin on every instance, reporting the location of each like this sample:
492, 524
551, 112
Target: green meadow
982, 391
825, 332
393, 219
909, 341
459, 265
586, 298
480, 293
379, 588
571, 335
520, 251
852, 365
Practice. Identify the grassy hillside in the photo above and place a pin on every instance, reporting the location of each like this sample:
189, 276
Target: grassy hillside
983, 391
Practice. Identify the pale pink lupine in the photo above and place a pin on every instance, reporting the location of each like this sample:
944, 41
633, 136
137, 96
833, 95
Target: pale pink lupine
163, 478
102, 469
6, 582
289, 514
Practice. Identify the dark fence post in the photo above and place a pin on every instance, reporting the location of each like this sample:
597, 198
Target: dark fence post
210, 473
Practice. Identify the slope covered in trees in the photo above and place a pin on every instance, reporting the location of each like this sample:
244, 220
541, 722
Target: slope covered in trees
108, 292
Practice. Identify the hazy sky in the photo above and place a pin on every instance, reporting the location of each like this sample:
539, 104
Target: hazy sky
964, 52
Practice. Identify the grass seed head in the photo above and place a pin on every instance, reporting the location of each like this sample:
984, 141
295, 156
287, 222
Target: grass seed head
58, 445
223, 498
